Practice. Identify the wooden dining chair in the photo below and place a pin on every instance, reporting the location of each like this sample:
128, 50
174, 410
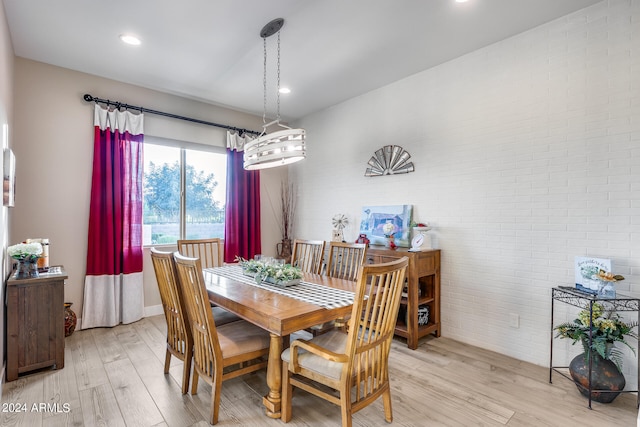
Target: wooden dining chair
354, 364
210, 252
179, 339
344, 259
220, 353
307, 255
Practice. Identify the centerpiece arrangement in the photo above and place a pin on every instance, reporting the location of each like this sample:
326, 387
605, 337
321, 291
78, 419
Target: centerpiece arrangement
598, 336
27, 255
271, 272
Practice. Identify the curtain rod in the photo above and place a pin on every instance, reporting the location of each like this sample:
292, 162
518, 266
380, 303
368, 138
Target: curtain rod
119, 105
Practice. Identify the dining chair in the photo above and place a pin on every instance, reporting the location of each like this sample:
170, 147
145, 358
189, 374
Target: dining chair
344, 259
307, 255
353, 364
210, 252
220, 353
179, 339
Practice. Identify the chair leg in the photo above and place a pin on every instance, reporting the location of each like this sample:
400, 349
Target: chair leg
194, 382
345, 406
386, 400
345, 410
216, 390
287, 389
186, 371
167, 361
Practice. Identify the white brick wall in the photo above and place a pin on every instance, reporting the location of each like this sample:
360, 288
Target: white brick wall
527, 153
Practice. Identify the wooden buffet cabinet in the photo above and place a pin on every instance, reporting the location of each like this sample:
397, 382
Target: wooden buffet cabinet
423, 288
35, 323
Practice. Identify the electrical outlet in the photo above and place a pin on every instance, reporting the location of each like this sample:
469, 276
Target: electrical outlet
514, 320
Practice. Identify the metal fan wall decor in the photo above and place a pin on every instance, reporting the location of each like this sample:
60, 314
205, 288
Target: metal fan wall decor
389, 160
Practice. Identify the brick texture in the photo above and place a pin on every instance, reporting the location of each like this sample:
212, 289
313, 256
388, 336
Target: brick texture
527, 154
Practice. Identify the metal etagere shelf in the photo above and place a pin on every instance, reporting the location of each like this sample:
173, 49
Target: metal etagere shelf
585, 301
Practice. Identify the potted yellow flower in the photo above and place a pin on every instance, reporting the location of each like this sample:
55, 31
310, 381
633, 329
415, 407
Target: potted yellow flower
598, 337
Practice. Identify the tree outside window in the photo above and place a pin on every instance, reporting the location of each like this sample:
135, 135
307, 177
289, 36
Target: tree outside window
201, 211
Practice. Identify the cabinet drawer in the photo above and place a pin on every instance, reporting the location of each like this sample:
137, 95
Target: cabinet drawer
425, 265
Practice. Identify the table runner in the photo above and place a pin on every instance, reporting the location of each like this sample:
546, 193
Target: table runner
313, 293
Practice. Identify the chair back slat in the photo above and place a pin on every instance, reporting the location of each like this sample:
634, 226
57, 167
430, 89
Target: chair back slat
210, 251
207, 355
178, 331
372, 325
345, 259
307, 255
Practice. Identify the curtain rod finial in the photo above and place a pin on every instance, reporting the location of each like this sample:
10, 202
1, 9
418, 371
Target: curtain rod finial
88, 97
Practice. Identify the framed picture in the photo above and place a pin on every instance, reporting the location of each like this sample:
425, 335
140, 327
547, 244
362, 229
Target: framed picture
9, 179
374, 218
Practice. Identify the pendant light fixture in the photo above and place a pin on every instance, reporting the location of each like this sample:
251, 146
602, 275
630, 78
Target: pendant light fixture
281, 147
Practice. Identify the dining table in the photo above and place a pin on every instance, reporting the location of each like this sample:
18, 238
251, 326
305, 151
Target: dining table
281, 311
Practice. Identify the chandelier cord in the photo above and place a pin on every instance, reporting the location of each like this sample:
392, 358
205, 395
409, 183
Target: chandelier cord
278, 89
264, 82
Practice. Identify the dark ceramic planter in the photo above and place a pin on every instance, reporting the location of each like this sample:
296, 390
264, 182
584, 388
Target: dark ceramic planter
606, 380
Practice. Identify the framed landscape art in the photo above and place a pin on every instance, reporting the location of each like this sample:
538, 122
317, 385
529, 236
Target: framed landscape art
374, 218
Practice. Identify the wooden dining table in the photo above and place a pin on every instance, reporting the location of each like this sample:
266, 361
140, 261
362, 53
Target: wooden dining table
279, 314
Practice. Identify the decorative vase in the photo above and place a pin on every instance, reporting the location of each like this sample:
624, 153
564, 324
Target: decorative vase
606, 380
27, 268
390, 242
284, 250
70, 319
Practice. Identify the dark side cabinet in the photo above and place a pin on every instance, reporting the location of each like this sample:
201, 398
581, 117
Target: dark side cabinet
35, 323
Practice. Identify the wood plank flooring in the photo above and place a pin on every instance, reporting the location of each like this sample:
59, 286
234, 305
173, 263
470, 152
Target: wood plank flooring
114, 377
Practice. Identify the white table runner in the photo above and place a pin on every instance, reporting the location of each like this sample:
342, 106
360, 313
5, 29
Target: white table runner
313, 293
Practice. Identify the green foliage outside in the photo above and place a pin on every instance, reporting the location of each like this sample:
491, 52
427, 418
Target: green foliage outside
162, 195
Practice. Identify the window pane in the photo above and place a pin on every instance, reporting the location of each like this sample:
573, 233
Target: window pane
161, 210
205, 194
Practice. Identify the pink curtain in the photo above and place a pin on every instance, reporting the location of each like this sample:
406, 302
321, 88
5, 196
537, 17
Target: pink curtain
113, 289
242, 211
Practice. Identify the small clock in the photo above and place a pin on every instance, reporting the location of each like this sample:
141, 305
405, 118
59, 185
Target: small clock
417, 242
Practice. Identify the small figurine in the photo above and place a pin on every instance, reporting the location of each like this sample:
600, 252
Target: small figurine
362, 238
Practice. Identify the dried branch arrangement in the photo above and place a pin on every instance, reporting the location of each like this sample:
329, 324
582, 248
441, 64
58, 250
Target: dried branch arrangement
288, 195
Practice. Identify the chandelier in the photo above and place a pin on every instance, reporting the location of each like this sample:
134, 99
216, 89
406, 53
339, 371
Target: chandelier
281, 147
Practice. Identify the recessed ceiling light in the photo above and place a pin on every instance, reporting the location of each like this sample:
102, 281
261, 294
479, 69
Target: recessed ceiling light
129, 39
461, 1
285, 90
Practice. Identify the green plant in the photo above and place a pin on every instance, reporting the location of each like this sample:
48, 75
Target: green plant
606, 328
262, 270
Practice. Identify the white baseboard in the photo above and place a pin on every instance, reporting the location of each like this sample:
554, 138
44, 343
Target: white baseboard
153, 310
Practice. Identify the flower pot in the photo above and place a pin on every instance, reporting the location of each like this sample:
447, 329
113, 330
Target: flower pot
606, 380
27, 269
390, 242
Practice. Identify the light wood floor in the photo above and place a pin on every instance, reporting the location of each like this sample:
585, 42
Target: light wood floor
113, 377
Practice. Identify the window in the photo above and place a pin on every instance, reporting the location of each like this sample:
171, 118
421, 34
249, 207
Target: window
199, 174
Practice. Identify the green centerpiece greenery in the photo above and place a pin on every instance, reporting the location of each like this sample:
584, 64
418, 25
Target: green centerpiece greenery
607, 328
276, 273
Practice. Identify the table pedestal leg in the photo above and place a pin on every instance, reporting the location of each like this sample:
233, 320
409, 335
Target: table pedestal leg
272, 400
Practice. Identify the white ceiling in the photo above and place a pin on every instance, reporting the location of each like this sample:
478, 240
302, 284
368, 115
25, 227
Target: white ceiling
211, 50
